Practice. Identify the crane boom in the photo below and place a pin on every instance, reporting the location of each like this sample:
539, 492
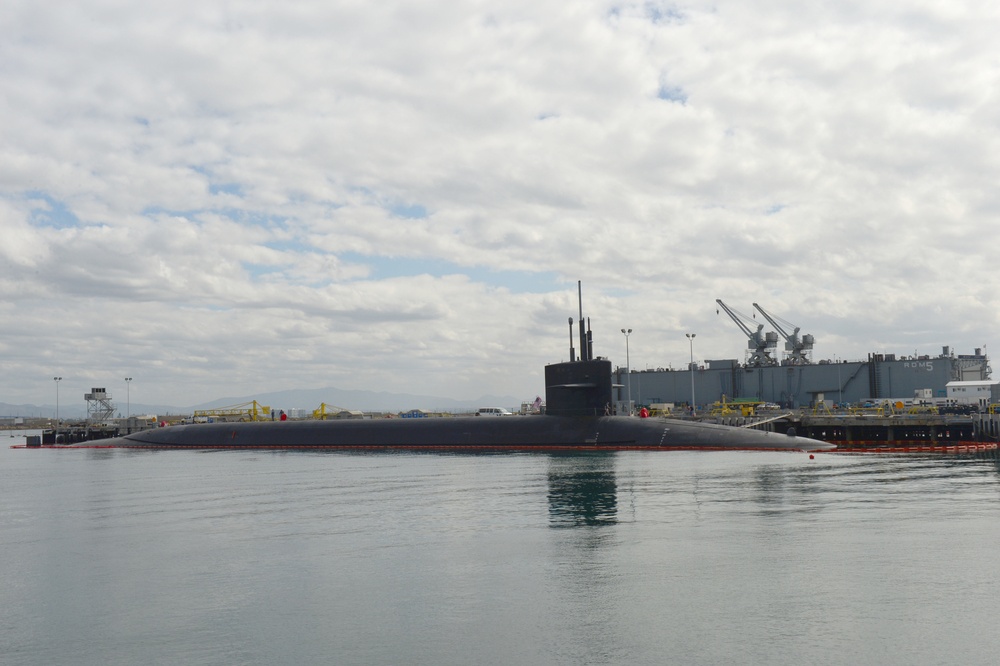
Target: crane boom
247, 411
738, 318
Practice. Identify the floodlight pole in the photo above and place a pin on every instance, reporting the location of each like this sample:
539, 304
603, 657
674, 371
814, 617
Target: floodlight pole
690, 337
628, 378
128, 397
57, 380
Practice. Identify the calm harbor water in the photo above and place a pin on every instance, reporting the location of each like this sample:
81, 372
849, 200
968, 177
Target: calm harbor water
186, 557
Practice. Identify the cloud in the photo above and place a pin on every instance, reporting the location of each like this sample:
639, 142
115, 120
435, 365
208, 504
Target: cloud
218, 199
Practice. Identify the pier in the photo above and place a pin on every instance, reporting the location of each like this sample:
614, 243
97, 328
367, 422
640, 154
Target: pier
904, 433
77, 434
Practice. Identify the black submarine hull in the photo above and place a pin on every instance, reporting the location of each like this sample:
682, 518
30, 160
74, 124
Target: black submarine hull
469, 434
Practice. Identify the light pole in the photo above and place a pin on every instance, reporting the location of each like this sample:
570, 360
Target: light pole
57, 380
690, 337
628, 380
840, 387
128, 397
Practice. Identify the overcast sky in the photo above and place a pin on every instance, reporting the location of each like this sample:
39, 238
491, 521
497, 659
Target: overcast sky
223, 198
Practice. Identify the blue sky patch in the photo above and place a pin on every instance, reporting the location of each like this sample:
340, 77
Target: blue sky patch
291, 245
55, 214
409, 211
225, 188
672, 94
660, 14
235, 214
158, 211
252, 217
259, 270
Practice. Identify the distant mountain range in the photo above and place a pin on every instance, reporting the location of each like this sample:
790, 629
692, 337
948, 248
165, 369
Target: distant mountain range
307, 399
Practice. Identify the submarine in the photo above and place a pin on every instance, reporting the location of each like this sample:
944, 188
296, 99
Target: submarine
578, 393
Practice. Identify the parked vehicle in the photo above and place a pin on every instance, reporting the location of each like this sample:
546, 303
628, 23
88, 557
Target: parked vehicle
493, 411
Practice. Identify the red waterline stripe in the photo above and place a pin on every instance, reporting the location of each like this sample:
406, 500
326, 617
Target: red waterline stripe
62, 446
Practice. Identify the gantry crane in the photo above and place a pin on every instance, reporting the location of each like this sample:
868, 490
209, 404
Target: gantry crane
325, 411
247, 411
798, 349
760, 348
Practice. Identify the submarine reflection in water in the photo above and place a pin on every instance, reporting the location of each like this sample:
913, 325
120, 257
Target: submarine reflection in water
583, 490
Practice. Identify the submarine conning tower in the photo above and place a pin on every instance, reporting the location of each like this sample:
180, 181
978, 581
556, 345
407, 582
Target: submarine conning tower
581, 387
578, 388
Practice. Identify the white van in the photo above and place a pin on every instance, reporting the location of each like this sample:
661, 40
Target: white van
493, 411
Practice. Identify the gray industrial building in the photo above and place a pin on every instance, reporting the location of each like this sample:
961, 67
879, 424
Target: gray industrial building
881, 377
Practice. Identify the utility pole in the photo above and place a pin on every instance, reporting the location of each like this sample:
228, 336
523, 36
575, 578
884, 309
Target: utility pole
57, 380
128, 397
690, 337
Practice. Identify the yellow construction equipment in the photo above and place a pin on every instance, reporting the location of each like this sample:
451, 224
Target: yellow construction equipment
741, 406
247, 411
326, 411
